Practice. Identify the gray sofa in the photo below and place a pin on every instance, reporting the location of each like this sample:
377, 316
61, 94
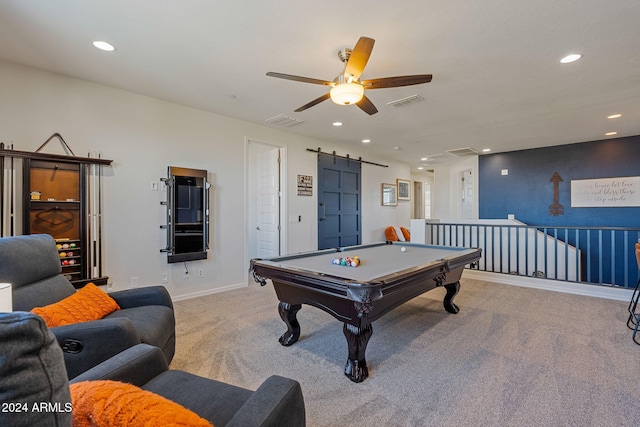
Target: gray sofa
32, 265
32, 372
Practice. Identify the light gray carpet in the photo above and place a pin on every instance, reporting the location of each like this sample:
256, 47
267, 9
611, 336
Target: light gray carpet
513, 356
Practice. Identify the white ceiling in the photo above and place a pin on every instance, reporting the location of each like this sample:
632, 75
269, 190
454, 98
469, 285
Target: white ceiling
497, 81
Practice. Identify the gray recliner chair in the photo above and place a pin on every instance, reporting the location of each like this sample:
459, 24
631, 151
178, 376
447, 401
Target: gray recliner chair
32, 265
32, 374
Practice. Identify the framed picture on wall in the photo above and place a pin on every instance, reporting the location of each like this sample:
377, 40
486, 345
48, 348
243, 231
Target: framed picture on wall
389, 195
404, 189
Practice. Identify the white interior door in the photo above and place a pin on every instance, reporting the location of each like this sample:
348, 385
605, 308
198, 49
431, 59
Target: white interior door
268, 204
264, 200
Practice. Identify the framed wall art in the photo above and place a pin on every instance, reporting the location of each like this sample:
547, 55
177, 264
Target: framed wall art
389, 195
404, 189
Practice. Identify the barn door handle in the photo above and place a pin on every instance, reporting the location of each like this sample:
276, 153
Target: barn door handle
324, 212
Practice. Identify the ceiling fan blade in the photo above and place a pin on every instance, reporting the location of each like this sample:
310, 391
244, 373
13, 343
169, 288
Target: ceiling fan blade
398, 81
367, 106
314, 102
299, 78
359, 57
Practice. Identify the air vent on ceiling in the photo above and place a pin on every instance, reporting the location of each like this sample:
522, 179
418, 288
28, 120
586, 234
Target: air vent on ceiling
433, 159
463, 152
431, 162
284, 121
405, 101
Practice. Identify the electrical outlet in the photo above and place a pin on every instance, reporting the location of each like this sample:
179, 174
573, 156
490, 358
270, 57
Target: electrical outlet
201, 272
154, 185
134, 282
109, 286
164, 277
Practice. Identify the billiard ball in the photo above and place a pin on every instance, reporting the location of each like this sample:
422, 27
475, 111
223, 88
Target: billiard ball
65, 246
72, 261
72, 245
69, 253
65, 262
403, 249
63, 254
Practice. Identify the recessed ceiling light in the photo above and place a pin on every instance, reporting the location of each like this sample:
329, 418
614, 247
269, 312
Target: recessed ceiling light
571, 58
396, 148
366, 141
104, 46
611, 133
486, 150
424, 159
420, 168
337, 123
614, 116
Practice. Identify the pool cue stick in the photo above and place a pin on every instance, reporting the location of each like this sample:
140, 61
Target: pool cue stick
99, 189
2, 192
11, 196
89, 257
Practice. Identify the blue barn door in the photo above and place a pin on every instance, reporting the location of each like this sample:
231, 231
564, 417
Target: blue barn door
338, 202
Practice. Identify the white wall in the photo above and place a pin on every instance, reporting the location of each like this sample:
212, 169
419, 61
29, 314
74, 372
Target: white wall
446, 202
143, 136
375, 217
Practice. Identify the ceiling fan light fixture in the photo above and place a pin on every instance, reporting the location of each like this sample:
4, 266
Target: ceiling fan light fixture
346, 93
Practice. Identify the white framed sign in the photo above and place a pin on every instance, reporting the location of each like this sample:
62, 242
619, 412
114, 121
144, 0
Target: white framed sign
606, 192
305, 185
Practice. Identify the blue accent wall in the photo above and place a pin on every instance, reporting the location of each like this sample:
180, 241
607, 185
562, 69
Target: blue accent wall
527, 191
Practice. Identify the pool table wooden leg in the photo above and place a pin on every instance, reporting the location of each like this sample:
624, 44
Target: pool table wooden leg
288, 315
452, 291
357, 340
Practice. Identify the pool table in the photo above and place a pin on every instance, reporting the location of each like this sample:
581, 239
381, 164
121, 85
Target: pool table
389, 274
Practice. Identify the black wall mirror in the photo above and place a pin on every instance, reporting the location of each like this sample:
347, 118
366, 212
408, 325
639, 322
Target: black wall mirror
187, 214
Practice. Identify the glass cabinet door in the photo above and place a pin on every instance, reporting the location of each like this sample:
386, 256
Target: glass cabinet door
54, 206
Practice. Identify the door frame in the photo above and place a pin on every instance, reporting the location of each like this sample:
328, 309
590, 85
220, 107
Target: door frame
248, 204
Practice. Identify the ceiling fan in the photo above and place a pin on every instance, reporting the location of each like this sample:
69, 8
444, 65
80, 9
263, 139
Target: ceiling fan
346, 88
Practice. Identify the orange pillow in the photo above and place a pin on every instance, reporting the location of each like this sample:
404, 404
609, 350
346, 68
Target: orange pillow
113, 404
390, 234
87, 304
406, 234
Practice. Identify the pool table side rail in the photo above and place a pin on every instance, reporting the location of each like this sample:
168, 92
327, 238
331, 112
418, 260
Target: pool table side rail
469, 256
266, 269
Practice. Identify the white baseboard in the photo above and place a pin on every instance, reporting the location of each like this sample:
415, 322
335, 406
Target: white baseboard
599, 291
209, 292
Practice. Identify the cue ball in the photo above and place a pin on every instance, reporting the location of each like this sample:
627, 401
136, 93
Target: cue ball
403, 249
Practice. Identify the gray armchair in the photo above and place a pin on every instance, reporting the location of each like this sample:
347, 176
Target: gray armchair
32, 265
32, 373
278, 402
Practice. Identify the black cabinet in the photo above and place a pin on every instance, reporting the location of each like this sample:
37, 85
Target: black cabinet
59, 195
55, 205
